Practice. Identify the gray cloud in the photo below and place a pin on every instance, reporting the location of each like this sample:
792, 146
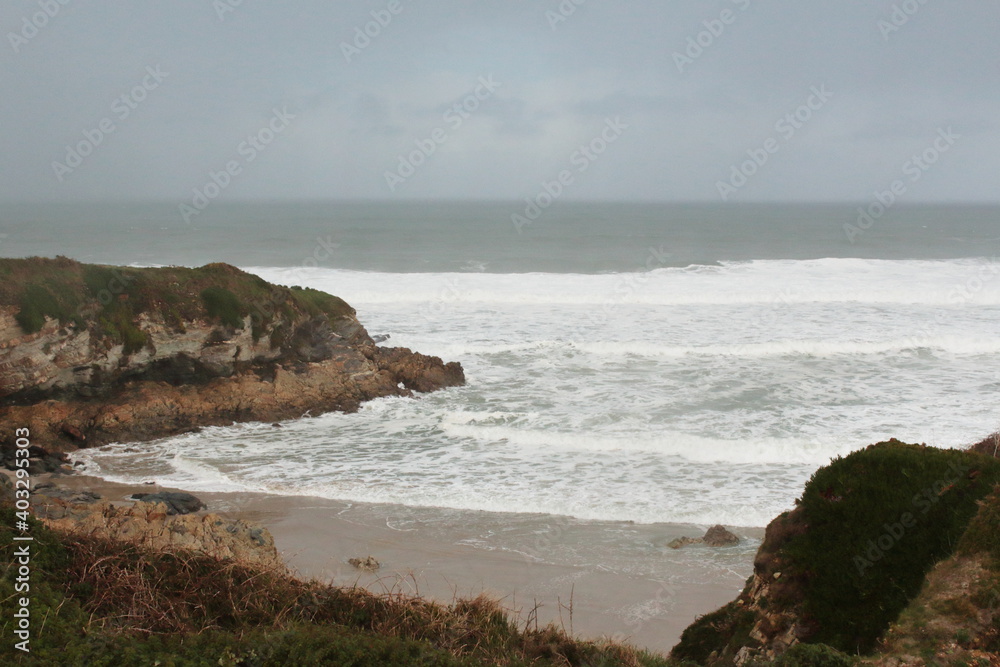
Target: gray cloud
560, 79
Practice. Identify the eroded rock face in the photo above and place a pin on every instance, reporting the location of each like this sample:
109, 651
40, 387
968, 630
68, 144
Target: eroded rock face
73, 386
63, 361
150, 410
152, 526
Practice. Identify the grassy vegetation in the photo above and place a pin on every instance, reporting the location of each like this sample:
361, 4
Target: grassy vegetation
316, 302
96, 602
982, 536
857, 548
223, 305
111, 299
36, 303
814, 655
955, 619
878, 520
723, 631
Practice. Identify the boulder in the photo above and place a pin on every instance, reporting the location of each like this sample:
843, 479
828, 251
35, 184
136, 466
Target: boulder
177, 502
683, 542
68, 495
368, 564
718, 536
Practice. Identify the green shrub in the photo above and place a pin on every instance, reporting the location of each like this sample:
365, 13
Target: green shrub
102, 603
814, 655
982, 535
36, 303
117, 322
878, 520
222, 304
728, 627
316, 302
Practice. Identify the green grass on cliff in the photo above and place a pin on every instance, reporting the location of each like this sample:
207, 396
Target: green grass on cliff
112, 298
96, 602
878, 520
223, 305
857, 548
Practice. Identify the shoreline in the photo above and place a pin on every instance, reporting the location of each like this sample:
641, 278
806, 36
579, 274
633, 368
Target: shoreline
646, 594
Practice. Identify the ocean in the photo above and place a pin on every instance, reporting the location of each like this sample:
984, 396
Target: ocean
638, 363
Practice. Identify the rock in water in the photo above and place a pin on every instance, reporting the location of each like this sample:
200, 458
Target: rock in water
177, 502
683, 542
718, 536
368, 564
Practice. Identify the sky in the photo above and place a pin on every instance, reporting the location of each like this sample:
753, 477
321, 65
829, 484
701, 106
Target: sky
722, 100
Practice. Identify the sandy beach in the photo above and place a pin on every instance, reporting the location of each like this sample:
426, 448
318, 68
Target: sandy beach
640, 591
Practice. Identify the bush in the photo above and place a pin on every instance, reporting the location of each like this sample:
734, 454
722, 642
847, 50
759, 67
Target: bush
878, 520
728, 627
36, 303
316, 302
103, 603
814, 655
224, 305
117, 322
982, 535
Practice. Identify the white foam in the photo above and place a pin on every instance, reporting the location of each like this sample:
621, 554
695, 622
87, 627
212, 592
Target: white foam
946, 282
813, 348
700, 395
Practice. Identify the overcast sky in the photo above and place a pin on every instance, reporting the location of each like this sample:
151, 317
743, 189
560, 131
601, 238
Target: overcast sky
664, 117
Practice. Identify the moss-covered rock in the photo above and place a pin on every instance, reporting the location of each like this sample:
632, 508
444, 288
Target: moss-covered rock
103, 324
855, 551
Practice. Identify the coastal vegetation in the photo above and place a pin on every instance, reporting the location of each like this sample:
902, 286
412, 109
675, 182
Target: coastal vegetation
854, 555
104, 602
70, 292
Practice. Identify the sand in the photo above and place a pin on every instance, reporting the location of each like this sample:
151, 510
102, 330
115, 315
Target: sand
595, 579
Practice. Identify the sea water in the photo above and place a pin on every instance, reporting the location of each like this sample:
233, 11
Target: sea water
644, 363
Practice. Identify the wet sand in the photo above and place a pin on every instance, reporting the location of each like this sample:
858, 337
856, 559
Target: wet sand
595, 579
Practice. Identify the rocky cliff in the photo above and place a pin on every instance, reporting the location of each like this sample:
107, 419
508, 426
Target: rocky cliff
840, 574
94, 354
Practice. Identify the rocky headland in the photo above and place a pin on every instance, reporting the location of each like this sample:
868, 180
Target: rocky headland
890, 557
97, 354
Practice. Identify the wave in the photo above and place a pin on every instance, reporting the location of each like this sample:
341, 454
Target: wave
944, 282
692, 448
957, 345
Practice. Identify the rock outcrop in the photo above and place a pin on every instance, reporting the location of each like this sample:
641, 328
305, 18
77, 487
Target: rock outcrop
155, 527
176, 502
716, 536
833, 575
91, 355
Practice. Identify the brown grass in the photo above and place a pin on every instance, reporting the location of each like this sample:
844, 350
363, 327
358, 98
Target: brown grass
126, 589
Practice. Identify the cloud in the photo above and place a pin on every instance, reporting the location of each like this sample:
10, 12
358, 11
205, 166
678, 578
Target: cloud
559, 82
